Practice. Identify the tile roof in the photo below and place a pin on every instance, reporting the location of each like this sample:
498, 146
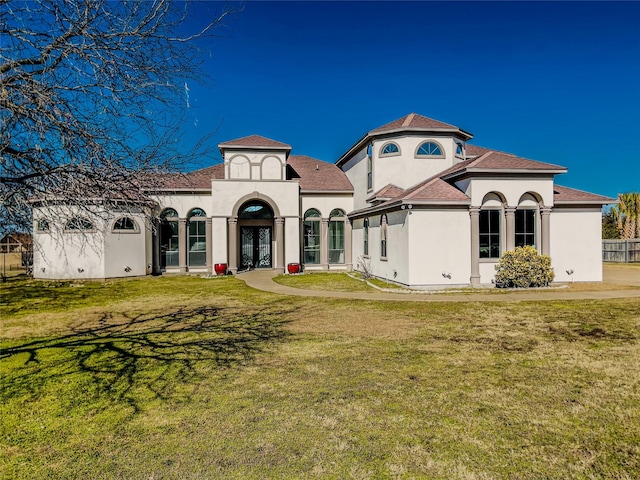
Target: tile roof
492, 160
316, 175
386, 193
571, 195
434, 189
255, 141
198, 179
413, 121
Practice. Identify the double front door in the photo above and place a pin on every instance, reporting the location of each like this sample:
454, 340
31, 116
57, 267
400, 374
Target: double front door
255, 247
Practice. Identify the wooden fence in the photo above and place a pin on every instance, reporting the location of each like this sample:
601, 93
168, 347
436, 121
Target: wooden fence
621, 251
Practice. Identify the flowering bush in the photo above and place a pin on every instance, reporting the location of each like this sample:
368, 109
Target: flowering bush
524, 267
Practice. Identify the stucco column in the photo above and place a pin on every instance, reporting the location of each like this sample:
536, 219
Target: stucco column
324, 244
209, 243
348, 260
545, 213
510, 217
233, 244
155, 228
182, 244
474, 213
279, 244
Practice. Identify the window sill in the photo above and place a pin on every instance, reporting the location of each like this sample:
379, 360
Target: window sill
489, 260
383, 259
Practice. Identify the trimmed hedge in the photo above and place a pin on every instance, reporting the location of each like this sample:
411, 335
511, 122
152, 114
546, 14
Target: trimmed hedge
524, 267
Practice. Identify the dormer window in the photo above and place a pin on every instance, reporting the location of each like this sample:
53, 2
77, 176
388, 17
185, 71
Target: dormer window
430, 149
389, 149
459, 150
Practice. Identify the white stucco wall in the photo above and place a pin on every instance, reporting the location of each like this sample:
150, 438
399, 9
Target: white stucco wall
325, 203
254, 164
405, 170
125, 253
227, 193
184, 203
219, 228
61, 254
395, 267
356, 171
576, 244
439, 242
512, 189
292, 240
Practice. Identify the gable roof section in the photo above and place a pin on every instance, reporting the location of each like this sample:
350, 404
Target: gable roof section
386, 193
317, 176
254, 141
565, 195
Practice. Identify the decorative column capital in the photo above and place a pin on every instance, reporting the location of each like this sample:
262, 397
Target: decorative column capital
474, 211
545, 210
279, 220
232, 220
325, 220
509, 210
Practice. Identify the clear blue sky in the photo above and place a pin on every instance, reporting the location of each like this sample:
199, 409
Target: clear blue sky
557, 82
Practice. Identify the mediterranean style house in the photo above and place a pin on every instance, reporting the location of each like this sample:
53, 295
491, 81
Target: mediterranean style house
411, 201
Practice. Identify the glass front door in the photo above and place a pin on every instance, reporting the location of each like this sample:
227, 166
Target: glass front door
255, 247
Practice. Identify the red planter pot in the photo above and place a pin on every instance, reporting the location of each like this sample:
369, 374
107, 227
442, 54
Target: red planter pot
293, 268
220, 268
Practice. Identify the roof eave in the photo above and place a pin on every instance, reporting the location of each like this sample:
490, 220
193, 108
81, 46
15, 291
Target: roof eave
469, 171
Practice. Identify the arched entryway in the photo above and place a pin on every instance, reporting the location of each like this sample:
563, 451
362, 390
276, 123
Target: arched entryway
255, 224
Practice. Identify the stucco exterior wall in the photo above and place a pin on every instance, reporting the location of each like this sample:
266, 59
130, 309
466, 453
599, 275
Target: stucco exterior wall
512, 189
125, 252
62, 254
227, 193
184, 203
356, 171
325, 203
395, 266
254, 165
576, 244
439, 243
406, 170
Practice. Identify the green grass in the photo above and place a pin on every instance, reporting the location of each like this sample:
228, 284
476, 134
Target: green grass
205, 378
334, 282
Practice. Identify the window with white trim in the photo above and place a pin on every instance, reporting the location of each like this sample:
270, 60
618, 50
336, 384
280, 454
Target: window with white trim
389, 149
430, 149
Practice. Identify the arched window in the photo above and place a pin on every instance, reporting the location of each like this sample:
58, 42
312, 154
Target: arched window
311, 240
79, 224
389, 149
383, 237
169, 239
169, 213
197, 241
125, 224
336, 236
366, 237
430, 149
459, 150
490, 223
369, 173
256, 210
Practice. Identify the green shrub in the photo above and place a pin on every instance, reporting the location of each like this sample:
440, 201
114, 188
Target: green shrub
523, 267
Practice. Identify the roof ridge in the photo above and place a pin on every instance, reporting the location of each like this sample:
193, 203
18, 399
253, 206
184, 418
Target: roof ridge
408, 120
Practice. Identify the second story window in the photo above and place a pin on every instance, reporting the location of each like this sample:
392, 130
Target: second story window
430, 149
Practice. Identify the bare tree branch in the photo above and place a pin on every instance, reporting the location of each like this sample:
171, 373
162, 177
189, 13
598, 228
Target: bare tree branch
90, 98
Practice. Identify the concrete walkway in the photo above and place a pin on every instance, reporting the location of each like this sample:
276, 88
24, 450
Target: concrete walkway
263, 280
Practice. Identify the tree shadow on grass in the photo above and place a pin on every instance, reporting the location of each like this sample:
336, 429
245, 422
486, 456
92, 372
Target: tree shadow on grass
138, 357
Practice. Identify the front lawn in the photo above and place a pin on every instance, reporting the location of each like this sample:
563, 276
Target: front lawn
186, 377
